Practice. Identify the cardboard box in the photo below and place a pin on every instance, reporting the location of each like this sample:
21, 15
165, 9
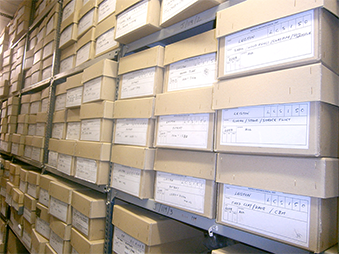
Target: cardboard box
106, 9
172, 13
38, 242
74, 97
23, 180
66, 161
58, 244
16, 221
98, 129
287, 174
285, 214
60, 228
73, 124
88, 17
70, 9
42, 220
314, 121
68, 35
52, 20
26, 234
14, 244
30, 202
49, 48
140, 78
309, 39
93, 150
81, 244
45, 181
174, 166
89, 214
67, 58
33, 180
153, 232
60, 102
136, 19
49, 249
99, 109
85, 52
237, 248
104, 34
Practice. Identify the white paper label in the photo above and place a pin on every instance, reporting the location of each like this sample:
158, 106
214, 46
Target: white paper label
124, 243
278, 125
42, 227
60, 102
27, 215
105, 42
131, 131
32, 190
182, 191
74, 96
48, 49
28, 151
171, 8
58, 130
40, 129
35, 78
35, 107
83, 54
73, 130
56, 242
68, 10
47, 73
58, 209
37, 56
44, 104
91, 129
86, 169
66, 64
31, 129
26, 238
283, 216
65, 163
92, 90
53, 158
195, 72
280, 41
189, 130
131, 19
44, 197
36, 152
32, 43
50, 25
86, 21
138, 83
80, 221
66, 35
23, 186
126, 179
106, 8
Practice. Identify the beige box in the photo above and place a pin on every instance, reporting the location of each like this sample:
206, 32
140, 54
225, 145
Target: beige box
49, 48
74, 81
25, 108
136, 19
237, 248
315, 120
17, 196
177, 111
287, 174
52, 21
315, 220
67, 58
176, 165
93, 150
29, 215
139, 78
89, 214
30, 202
85, 51
69, 35
45, 181
58, 245
245, 49
42, 220
66, 161
49, 249
96, 129
60, 228
81, 244
15, 179
153, 232
33, 180
69, 8
88, 17
74, 96
38, 242
104, 34
100, 109
106, 9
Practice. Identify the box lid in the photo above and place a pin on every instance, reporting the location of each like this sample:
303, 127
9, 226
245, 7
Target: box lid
82, 245
45, 181
105, 67
63, 191
33, 177
105, 25
60, 228
66, 146
74, 80
73, 114
134, 108
93, 150
90, 203
102, 109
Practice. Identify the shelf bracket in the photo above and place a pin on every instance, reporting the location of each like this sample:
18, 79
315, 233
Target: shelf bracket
211, 229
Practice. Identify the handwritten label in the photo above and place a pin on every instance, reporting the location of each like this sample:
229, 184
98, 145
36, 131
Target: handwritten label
68, 10
86, 21
66, 34
170, 8
86, 169
42, 227
126, 179
53, 158
58, 209
105, 42
80, 221
106, 8
124, 243
131, 131
44, 197
91, 129
131, 19
58, 130
189, 130
73, 97
73, 130
280, 41
278, 125
65, 163
181, 191
56, 242
83, 54
60, 102
67, 63
275, 214
138, 83
92, 90
195, 72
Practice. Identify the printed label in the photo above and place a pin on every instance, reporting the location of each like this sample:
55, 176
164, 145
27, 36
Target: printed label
105, 42
58, 130
280, 41
68, 10
124, 243
65, 163
278, 125
73, 130
56, 242
58, 209
182, 191
86, 169
283, 216
91, 129
126, 179
80, 221
66, 64
83, 54
44, 197
42, 227
92, 89
195, 72
131, 131
106, 8
60, 102
53, 158
131, 19
74, 96
189, 130
171, 8
138, 83
86, 21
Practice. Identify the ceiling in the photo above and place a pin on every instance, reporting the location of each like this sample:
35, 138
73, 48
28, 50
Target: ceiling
7, 10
